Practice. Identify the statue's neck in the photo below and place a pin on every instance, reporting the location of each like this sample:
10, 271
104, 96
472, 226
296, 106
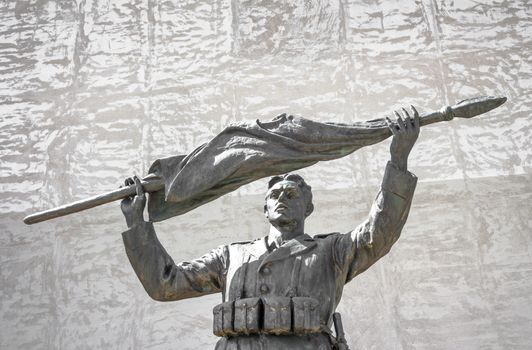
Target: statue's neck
280, 234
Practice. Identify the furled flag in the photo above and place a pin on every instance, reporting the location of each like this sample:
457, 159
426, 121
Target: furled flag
246, 152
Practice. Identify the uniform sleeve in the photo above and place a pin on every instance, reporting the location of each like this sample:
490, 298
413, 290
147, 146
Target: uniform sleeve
164, 280
355, 251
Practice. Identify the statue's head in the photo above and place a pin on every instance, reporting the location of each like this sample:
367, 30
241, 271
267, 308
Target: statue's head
289, 199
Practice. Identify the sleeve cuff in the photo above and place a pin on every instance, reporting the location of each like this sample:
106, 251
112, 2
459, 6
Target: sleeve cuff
398, 182
139, 235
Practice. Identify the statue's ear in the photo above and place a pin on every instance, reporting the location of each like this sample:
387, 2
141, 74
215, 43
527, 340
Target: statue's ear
265, 211
310, 209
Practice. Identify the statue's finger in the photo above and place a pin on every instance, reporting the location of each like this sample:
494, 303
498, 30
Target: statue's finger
416, 117
391, 125
138, 186
407, 119
399, 121
414, 111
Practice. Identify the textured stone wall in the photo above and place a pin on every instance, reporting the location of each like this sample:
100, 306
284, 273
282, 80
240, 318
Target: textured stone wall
92, 91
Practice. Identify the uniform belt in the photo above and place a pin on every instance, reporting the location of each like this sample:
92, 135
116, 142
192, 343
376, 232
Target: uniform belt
268, 315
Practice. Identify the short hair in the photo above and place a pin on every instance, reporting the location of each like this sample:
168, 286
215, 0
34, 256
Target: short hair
305, 188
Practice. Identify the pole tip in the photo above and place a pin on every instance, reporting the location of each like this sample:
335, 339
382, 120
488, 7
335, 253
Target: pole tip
498, 101
474, 106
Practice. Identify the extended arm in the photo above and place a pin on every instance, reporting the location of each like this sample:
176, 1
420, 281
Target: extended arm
374, 238
162, 279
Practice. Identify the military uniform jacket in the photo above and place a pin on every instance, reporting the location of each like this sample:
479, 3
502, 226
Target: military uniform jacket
316, 267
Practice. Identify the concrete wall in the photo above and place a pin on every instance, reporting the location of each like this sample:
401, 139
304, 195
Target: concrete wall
93, 91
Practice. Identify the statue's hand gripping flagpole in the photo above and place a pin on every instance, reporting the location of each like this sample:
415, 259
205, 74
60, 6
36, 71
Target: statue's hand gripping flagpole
180, 184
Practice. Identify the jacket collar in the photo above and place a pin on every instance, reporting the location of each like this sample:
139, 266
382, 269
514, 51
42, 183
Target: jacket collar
295, 246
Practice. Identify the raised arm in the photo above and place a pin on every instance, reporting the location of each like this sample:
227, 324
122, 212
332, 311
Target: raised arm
359, 249
162, 279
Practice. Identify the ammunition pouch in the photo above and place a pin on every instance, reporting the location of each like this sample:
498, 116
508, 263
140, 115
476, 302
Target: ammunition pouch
267, 315
247, 316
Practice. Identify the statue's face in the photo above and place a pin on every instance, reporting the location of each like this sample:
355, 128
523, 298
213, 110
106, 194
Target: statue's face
285, 203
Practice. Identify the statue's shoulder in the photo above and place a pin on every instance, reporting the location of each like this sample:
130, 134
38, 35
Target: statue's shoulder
325, 235
252, 246
242, 242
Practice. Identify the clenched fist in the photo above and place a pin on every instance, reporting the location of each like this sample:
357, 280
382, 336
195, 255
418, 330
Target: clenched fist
133, 207
405, 132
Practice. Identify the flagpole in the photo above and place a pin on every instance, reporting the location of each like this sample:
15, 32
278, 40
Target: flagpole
465, 109
150, 184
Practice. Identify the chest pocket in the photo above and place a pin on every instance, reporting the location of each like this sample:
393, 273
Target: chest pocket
293, 286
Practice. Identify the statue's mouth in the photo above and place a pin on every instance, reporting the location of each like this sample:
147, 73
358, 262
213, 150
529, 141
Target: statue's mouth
281, 207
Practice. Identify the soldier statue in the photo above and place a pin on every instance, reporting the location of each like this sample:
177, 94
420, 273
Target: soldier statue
280, 291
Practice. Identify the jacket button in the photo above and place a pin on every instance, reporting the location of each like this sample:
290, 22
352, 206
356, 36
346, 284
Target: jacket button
264, 288
266, 270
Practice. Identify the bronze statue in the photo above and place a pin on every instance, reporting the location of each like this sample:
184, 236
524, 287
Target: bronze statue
280, 291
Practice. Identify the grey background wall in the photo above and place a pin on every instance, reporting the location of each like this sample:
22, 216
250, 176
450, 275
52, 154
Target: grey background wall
93, 91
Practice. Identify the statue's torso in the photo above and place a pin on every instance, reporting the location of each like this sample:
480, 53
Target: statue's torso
303, 267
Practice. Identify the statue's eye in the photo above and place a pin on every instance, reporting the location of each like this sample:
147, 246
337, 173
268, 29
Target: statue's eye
275, 194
